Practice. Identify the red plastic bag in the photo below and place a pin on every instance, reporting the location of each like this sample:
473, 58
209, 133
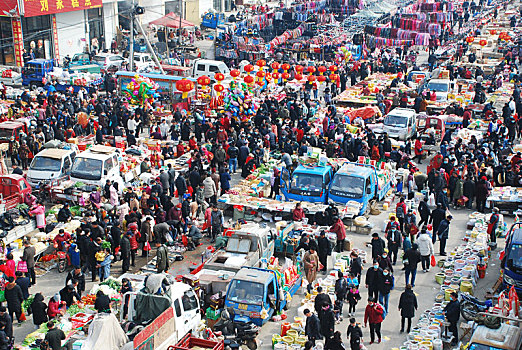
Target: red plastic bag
22, 317
433, 261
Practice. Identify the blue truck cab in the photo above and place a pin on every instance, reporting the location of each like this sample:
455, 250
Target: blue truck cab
356, 182
34, 72
306, 183
256, 294
80, 59
511, 262
213, 20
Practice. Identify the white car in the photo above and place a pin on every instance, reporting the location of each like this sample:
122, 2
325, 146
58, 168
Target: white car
106, 60
143, 62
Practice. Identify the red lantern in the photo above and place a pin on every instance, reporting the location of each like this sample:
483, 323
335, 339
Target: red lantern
261, 63
248, 79
275, 75
333, 68
493, 31
184, 85
470, 39
204, 80
299, 68
219, 76
311, 69
333, 77
285, 66
275, 65
248, 68
285, 76
321, 69
234, 73
311, 78
298, 76
260, 83
321, 78
260, 74
219, 88
483, 42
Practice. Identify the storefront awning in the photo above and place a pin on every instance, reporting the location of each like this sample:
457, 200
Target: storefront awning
171, 20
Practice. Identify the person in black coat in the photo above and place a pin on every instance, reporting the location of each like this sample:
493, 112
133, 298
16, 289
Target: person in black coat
355, 265
38, 309
443, 233
4, 341
385, 285
102, 303
312, 327
323, 250
468, 191
68, 293
54, 336
24, 283
436, 218
125, 252
335, 342
76, 275
378, 245
321, 299
8, 321
355, 335
424, 212
14, 297
327, 323
407, 307
452, 314
372, 281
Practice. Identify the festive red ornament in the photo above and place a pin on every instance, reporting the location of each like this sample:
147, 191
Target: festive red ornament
311, 78
332, 68
321, 78
219, 88
204, 80
322, 69
311, 69
219, 76
260, 74
333, 77
275, 75
275, 65
493, 31
248, 79
483, 42
285, 66
285, 76
261, 63
248, 68
234, 73
299, 68
470, 39
298, 76
184, 85
260, 83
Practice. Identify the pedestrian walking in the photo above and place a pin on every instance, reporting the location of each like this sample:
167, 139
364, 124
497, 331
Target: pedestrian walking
335, 342
426, 249
353, 296
311, 266
324, 249
38, 309
125, 252
407, 307
355, 335
28, 257
312, 326
378, 245
339, 229
386, 284
327, 323
373, 314
373, 276
162, 258
216, 223
443, 233
411, 260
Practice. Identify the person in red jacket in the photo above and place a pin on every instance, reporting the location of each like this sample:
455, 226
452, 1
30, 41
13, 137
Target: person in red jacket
373, 313
418, 150
340, 230
298, 213
56, 306
134, 238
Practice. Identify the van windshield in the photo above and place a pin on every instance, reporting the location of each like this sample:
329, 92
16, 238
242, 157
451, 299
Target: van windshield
6, 133
396, 120
515, 254
347, 186
87, 168
307, 182
40, 163
246, 292
438, 87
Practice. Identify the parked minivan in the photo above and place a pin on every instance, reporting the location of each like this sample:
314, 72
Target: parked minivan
511, 258
50, 164
400, 123
97, 165
209, 68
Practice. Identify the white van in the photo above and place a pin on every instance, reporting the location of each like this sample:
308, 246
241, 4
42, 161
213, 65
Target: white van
50, 164
400, 123
143, 61
209, 68
97, 165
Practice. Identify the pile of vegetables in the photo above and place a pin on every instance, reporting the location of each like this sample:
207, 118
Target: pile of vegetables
26, 303
112, 282
74, 309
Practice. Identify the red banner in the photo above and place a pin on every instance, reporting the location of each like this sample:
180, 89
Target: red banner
46, 7
18, 41
55, 40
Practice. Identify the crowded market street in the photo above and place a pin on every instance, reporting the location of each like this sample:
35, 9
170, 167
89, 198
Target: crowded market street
314, 175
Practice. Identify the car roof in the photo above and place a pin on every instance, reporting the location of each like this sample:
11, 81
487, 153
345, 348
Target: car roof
55, 153
253, 275
319, 170
354, 169
98, 152
516, 235
11, 125
402, 111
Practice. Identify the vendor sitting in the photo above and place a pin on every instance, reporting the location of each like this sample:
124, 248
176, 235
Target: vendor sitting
298, 213
64, 214
60, 238
194, 235
95, 197
102, 303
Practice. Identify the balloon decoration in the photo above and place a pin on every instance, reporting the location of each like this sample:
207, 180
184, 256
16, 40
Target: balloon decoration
141, 90
184, 85
238, 102
470, 39
343, 54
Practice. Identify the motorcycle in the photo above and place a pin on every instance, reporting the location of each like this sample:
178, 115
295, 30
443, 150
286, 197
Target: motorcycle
240, 333
63, 256
470, 306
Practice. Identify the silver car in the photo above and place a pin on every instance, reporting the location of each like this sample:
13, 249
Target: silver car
106, 60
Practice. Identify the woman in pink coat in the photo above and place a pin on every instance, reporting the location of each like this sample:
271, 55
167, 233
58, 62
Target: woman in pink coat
39, 212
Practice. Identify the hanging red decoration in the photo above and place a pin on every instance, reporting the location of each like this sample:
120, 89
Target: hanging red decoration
310, 69
261, 63
248, 68
322, 69
493, 31
285, 76
470, 39
204, 80
321, 78
234, 73
285, 66
184, 85
219, 76
299, 68
333, 77
219, 88
275, 75
298, 76
483, 42
311, 78
332, 68
248, 79
260, 74
275, 65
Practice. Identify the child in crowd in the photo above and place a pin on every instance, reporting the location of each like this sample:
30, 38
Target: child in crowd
353, 297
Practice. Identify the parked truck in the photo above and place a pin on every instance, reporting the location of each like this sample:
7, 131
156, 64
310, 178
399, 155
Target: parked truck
361, 183
306, 183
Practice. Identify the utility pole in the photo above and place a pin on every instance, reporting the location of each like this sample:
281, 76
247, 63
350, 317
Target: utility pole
180, 16
149, 46
131, 63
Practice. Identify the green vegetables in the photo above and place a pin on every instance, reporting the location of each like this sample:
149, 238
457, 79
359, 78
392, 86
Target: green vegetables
27, 303
74, 309
79, 184
106, 245
112, 283
22, 206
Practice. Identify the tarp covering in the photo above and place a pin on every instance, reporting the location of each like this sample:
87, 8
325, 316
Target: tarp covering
171, 20
149, 306
364, 113
105, 333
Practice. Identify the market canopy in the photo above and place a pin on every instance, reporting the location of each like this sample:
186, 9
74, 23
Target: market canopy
172, 20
